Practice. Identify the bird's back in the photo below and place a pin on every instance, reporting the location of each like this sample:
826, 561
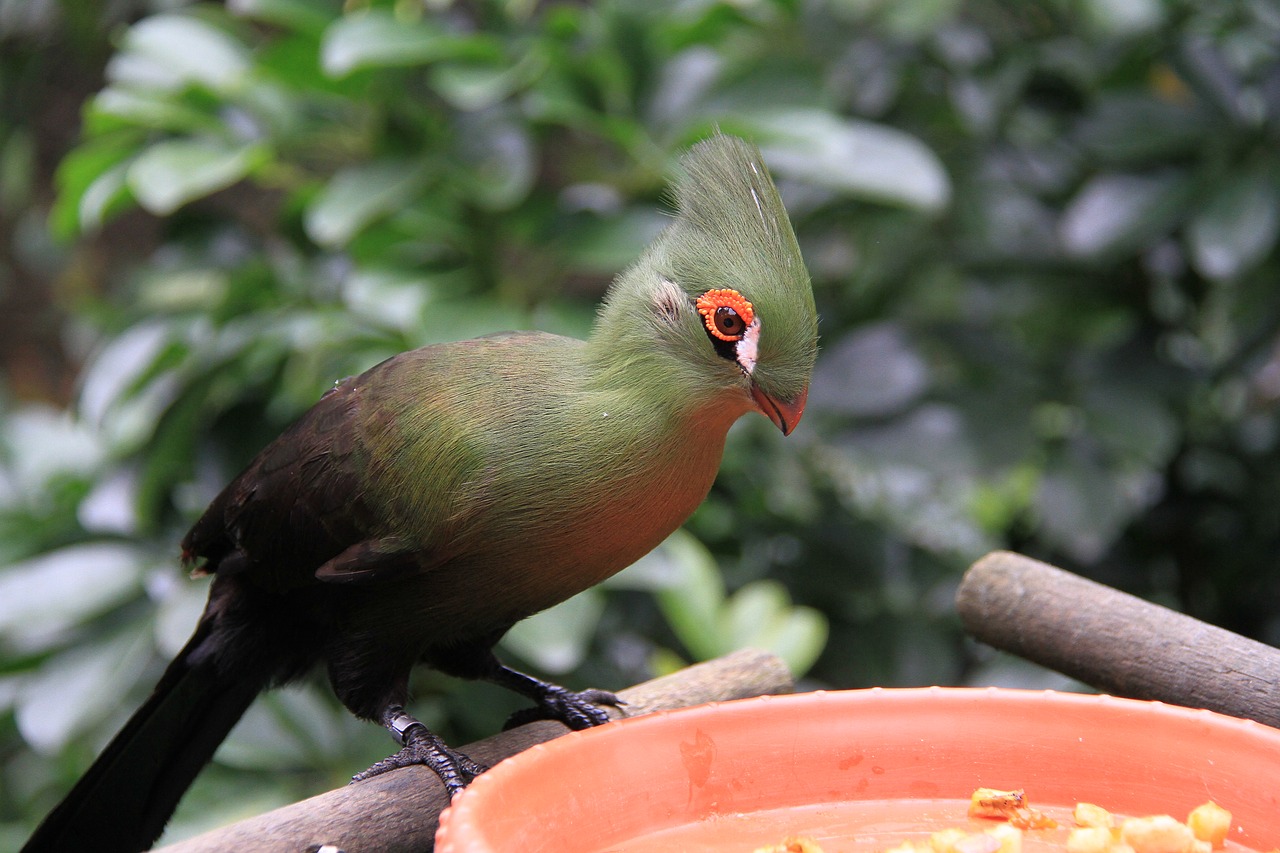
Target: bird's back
496, 467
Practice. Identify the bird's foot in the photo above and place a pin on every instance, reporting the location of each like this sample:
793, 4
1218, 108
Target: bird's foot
423, 747
577, 710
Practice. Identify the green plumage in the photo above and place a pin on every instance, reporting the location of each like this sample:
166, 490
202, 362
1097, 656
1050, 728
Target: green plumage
420, 509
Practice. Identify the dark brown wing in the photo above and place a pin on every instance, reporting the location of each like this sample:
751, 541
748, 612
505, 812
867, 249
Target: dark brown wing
298, 504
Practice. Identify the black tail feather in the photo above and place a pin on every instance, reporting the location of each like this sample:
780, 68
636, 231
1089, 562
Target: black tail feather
123, 801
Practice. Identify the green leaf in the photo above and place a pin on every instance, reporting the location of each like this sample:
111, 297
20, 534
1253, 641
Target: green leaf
286, 729
81, 170
852, 156
501, 158
48, 445
908, 19
170, 51
43, 597
1115, 213
111, 377
1131, 418
1124, 18
178, 611
310, 16
79, 688
105, 197
474, 85
557, 640
603, 245
1236, 229
750, 611
391, 297
376, 38
872, 372
360, 194
692, 603
1082, 506
173, 172
1134, 129
117, 106
17, 170
799, 639
760, 615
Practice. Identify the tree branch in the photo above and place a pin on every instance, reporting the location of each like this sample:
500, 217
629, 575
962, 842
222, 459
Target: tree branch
1115, 642
398, 811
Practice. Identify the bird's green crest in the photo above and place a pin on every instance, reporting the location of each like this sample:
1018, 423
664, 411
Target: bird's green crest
733, 232
730, 242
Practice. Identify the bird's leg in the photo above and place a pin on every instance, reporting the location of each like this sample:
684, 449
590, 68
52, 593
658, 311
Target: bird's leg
577, 710
421, 746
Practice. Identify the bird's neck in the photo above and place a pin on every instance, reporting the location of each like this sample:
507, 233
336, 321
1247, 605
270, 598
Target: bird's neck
626, 357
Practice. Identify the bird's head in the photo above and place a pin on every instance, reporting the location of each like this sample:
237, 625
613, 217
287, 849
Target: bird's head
722, 296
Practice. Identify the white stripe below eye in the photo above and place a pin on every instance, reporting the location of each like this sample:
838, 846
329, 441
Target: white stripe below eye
747, 348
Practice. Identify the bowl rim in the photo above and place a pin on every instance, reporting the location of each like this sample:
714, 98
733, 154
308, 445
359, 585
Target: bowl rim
460, 820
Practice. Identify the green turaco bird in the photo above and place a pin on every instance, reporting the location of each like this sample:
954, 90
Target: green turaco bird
419, 510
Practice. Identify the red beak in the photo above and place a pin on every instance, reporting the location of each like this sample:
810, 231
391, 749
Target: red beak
785, 414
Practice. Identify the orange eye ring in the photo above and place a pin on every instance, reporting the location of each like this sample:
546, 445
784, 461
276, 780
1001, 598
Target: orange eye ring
726, 313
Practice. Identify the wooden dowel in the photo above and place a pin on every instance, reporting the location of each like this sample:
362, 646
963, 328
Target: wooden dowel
1115, 642
398, 811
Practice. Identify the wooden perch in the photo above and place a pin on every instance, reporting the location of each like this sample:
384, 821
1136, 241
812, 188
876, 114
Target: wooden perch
398, 811
1115, 642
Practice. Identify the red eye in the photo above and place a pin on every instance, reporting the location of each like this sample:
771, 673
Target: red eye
728, 323
726, 313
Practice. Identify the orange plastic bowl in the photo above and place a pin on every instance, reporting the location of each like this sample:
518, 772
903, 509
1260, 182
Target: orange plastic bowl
855, 769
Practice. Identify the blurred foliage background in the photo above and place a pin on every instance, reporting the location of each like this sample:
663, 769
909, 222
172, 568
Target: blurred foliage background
1042, 237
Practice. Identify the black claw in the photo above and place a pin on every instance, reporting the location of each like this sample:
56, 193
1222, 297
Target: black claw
576, 710
422, 747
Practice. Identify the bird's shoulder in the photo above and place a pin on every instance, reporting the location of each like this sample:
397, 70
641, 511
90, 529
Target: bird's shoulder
295, 504
384, 452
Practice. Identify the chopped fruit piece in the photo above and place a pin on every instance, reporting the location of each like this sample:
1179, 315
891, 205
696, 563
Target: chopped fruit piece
1089, 839
993, 803
1010, 838
1157, 834
1087, 814
1210, 822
